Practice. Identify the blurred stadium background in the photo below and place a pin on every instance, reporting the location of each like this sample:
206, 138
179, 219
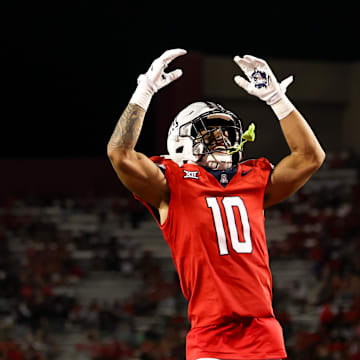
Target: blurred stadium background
84, 271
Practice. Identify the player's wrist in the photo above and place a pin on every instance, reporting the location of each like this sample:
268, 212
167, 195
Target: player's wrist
283, 107
143, 92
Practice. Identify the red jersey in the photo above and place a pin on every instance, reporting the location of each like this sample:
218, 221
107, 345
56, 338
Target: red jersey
217, 239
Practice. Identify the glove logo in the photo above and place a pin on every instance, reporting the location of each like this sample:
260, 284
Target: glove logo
260, 79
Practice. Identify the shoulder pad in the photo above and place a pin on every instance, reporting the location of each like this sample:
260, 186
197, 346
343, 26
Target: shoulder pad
157, 159
261, 163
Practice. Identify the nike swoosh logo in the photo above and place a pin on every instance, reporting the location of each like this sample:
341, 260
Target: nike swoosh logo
243, 173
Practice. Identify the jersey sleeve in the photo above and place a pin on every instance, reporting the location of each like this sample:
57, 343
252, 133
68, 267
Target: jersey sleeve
158, 160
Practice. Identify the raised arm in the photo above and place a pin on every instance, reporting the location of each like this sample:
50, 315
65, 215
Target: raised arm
306, 154
293, 171
135, 170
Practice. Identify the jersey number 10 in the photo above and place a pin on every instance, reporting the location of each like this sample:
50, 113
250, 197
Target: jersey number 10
241, 247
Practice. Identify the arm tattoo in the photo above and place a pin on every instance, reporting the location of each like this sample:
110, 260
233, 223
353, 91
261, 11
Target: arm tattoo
128, 128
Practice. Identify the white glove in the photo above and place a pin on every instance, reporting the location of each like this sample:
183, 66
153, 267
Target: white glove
156, 78
263, 84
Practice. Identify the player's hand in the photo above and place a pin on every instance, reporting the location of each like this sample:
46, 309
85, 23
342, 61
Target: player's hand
156, 76
261, 80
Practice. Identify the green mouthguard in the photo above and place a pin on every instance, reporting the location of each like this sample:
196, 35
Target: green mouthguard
248, 135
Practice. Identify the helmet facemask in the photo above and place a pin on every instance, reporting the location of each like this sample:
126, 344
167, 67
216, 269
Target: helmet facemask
213, 138
207, 134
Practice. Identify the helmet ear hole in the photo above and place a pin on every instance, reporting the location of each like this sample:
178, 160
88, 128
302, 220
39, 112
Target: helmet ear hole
180, 149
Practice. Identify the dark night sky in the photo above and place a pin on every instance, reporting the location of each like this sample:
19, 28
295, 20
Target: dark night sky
69, 70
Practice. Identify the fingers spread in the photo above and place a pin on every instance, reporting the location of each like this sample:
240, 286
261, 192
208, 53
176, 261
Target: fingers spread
286, 82
240, 81
256, 62
245, 65
173, 75
170, 55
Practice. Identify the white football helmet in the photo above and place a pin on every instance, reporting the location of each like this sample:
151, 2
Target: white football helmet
205, 133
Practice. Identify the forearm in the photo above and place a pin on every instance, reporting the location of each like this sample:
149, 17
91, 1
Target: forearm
294, 170
127, 129
306, 154
300, 138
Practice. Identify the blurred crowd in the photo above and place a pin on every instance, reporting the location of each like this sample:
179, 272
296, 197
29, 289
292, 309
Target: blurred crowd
325, 234
42, 261
43, 242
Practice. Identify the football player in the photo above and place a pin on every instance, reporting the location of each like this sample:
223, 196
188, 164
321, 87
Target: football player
209, 204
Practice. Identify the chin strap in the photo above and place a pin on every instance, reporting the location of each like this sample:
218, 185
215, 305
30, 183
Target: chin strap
248, 135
